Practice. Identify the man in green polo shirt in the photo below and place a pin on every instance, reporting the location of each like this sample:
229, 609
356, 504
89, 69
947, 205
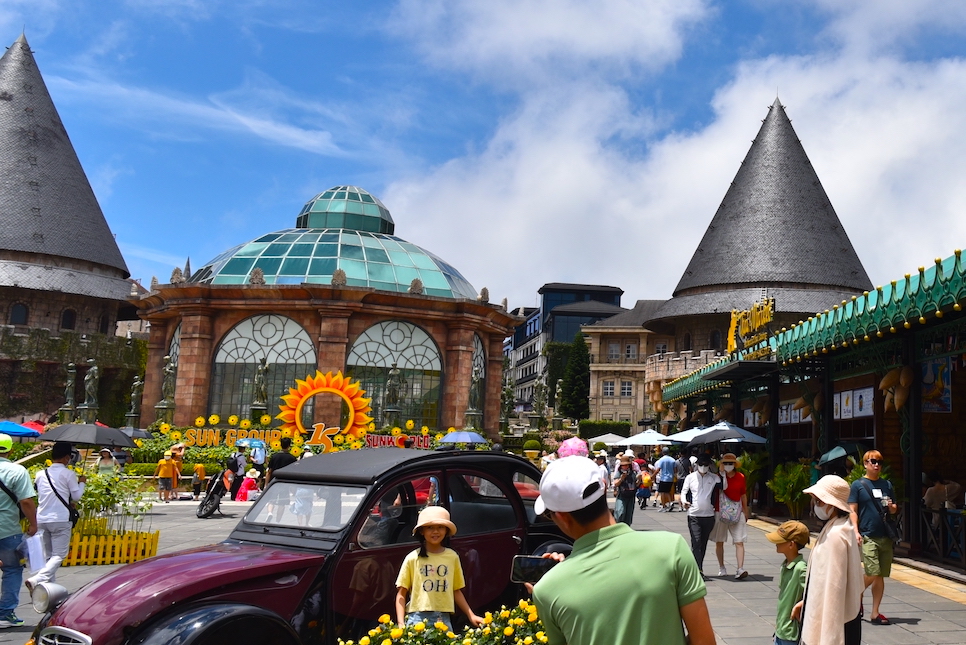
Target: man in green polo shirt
17, 495
618, 586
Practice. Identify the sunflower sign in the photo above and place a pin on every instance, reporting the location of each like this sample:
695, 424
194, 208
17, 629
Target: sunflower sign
327, 438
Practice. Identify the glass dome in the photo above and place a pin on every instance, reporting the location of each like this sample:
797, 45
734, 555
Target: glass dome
346, 207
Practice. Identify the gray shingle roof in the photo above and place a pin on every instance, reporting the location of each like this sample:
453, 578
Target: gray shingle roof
775, 225
52, 278
801, 301
589, 307
643, 311
46, 203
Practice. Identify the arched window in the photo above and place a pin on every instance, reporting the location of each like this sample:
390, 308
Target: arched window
68, 319
715, 339
478, 380
282, 342
420, 366
686, 341
174, 348
19, 314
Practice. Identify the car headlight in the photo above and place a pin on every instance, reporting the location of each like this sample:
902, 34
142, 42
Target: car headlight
47, 596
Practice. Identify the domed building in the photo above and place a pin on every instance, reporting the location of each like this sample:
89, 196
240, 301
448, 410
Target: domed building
340, 291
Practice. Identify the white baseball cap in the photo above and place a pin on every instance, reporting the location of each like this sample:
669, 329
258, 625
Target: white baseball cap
570, 484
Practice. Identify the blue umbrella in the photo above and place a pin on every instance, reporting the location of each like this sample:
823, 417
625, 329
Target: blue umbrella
463, 436
17, 430
250, 443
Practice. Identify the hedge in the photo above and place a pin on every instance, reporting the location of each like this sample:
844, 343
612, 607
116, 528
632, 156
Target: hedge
590, 429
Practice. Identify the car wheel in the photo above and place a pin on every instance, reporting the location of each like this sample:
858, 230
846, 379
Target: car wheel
553, 547
217, 624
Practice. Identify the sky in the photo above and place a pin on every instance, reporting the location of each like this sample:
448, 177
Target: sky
523, 141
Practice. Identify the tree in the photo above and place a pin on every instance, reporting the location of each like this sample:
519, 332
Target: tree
575, 393
557, 354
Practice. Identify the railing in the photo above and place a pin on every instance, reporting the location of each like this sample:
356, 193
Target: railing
943, 536
618, 360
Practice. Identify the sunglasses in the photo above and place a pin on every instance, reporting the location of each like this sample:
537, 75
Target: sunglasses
875, 462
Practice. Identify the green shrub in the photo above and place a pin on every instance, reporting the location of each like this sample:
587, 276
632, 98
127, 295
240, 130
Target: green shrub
532, 444
600, 445
788, 482
147, 470
589, 429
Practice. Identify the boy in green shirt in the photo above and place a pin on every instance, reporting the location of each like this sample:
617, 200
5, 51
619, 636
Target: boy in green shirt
790, 538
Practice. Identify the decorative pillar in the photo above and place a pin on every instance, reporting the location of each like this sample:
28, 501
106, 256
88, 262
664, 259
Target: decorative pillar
194, 366
774, 437
332, 349
494, 387
828, 409
157, 349
912, 466
458, 374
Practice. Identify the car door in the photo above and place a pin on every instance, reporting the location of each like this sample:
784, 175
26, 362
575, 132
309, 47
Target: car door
364, 579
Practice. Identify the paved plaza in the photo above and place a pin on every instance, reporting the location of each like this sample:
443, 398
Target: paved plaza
924, 608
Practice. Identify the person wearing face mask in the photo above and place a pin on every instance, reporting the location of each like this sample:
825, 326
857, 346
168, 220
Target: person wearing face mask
735, 493
831, 612
697, 495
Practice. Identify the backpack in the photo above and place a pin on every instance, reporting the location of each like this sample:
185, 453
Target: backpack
645, 480
232, 463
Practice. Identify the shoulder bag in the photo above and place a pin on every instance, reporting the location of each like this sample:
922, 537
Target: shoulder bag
730, 510
13, 498
891, 528
73, 512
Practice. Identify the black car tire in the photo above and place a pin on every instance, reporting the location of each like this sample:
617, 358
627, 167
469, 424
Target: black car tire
219, 624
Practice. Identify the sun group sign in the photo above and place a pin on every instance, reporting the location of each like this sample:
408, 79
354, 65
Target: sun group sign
749, 330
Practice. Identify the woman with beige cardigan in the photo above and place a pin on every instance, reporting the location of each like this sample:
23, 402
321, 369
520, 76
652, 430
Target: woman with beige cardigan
834, 583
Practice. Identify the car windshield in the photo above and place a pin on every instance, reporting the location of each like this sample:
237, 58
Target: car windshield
315, 506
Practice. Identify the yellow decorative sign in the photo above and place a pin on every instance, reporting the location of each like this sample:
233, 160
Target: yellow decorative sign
747, 325
290, 411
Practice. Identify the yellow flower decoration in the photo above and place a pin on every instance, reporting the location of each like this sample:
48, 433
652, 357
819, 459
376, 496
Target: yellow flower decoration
396, 632
245, 424
296, 451
139, 443
338, 439
439, 436
276, 445
487, 618
175, 436
420, 626
451, 429
372, 426
165, 428
48, 463
387, 641
450, 635
505, 614
200, 422
486, 631
508, 631
441, 626
410, 424
233, 420
424, 431
364, 640
362, 433
528, 641
385, 619
356, 445
523, 604
532, 618
287, 432
265, 420
214, 419
298, 440
396, 431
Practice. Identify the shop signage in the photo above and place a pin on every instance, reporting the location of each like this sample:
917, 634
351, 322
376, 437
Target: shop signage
749, 328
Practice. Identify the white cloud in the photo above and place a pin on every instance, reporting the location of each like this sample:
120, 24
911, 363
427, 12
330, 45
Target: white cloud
517, 42
881, 25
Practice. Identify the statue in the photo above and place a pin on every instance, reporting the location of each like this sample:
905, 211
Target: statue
393, 383
90, 384
260, 395
69, 388
168, 376
476, 384
416, 287
136, 388
338, 278
257, 277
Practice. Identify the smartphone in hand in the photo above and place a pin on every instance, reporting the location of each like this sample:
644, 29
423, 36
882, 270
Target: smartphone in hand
530, 568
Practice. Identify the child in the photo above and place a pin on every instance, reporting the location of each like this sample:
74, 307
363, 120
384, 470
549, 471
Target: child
644, 492
198, 477
790, 538
433, 574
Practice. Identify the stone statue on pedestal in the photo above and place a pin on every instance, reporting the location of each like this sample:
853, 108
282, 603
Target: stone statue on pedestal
91, 380
69, 388
476, 385
136, 388
168, 379
393, 383
260, 388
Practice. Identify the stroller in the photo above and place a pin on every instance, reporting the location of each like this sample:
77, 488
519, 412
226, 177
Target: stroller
214, 491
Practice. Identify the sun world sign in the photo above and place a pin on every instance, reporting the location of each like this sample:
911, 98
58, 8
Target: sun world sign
749, 328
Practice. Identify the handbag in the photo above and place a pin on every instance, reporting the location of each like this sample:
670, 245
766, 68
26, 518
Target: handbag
72, 512
730, 510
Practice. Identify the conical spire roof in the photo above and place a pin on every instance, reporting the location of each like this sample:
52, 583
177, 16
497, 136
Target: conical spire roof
776, 226
46, 203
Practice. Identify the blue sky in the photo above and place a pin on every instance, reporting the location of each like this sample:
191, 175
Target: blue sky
523, 141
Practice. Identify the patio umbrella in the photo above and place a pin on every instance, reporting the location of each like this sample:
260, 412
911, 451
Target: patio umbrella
646, 438
89, 434
136, 433
573, 446
250, 443
34, 425
463, 436
605, 438
17, 430
724, 430
686, 436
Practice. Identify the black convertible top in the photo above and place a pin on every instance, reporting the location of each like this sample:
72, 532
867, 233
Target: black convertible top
367, 466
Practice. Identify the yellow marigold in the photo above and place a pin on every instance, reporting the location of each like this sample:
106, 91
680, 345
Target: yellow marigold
527, 641
214, 419
508, 631
338, 439
441, 626
175, 436
276, 445
233, 420
165, 428
523, 604
505, 613
532, 617
356, 445
396, 632
372, 426
200, 422
48, 463
486, 631
385, 619
265, 420
424, 431
364, 640
487, 618
296, 451
410, 424
420, 626
450, 635
439, 437
245, 424
396, 431
139, 442
387, 641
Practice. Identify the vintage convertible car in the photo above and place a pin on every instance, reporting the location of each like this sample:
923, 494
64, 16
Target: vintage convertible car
315, 558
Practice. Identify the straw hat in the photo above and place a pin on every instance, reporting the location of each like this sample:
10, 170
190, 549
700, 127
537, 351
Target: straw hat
252, 473
625, 459
833, 490
434, 515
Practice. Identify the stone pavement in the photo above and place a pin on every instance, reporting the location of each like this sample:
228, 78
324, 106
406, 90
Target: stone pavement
924, 608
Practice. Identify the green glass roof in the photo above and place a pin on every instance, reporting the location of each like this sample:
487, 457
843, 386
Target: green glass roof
311, 255
346, 207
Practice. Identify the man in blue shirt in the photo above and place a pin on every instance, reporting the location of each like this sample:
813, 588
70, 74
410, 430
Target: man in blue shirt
664, 474
16, 494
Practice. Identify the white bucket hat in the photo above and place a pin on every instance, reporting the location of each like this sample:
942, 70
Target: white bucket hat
833, 490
